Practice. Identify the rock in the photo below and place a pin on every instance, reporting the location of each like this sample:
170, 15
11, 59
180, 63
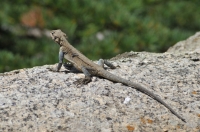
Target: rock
37, 99
191, 44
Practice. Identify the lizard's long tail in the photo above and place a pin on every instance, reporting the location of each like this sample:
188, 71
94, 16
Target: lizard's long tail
114, 78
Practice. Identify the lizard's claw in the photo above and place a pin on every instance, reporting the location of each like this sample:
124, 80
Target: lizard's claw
52, 69
82, 81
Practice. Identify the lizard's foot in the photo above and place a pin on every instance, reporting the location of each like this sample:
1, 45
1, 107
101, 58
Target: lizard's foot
101, 62
82, 81
52, 69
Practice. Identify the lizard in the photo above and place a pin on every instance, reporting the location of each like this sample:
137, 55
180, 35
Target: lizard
89, 68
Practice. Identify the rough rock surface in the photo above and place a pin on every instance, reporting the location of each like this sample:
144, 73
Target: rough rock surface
36, 99
39, 100
191, 44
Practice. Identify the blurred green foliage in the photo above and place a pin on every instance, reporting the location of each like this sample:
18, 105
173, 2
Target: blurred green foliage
98, 28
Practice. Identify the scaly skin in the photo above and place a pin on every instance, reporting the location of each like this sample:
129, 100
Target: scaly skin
83, 64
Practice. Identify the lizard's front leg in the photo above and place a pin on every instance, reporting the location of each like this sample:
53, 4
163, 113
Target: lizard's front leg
60, 56
87, 78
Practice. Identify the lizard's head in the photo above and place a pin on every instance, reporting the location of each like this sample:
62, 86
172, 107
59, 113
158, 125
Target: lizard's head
58, 36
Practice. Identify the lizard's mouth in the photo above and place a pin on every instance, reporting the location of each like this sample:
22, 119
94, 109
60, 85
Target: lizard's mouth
57, 40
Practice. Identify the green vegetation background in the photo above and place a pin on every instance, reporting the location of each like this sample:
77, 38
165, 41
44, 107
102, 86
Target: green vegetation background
98, 28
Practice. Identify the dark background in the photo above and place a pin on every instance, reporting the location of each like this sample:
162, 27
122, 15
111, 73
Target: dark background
98, 28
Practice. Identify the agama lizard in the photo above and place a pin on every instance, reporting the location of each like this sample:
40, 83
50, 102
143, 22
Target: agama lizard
83, 64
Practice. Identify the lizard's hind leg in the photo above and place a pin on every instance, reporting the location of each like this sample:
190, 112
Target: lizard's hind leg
101, 62
85, 80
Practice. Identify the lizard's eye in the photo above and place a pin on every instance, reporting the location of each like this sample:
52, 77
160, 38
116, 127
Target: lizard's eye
52, 33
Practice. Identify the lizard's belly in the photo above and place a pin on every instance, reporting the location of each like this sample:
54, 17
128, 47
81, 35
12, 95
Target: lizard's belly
69, 59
